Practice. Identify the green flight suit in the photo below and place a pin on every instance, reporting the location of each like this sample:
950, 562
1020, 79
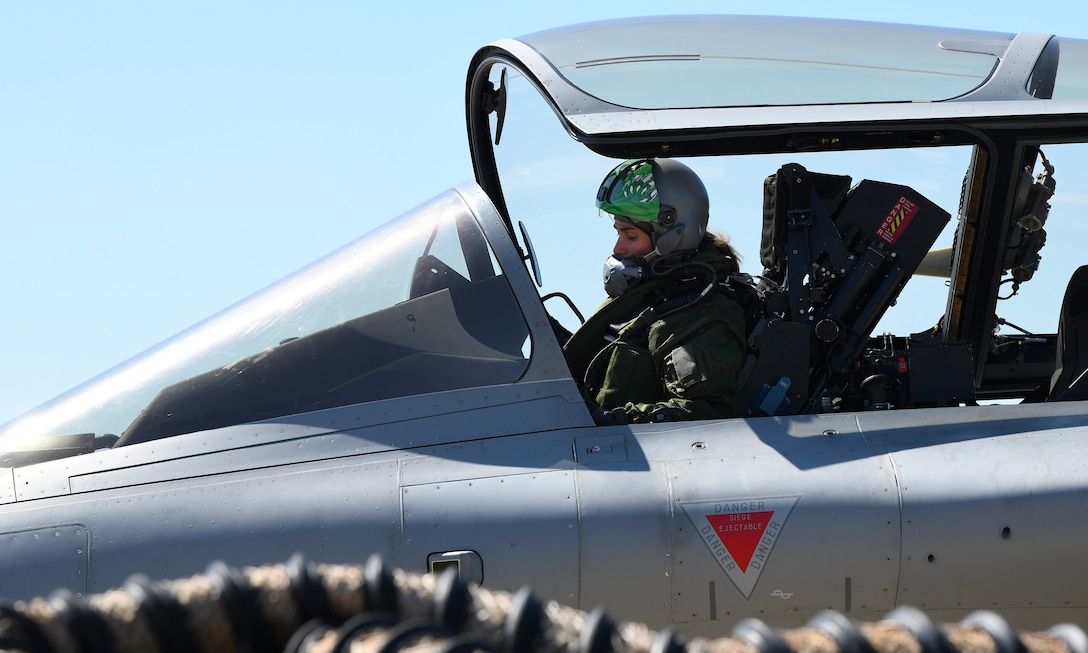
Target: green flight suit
670, 364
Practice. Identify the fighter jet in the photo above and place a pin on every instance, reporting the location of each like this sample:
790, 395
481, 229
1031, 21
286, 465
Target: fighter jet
419, 393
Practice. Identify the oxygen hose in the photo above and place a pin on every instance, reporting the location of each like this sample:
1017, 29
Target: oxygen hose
300, 607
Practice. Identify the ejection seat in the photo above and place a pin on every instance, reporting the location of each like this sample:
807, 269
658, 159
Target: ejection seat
1070, 380
835, 258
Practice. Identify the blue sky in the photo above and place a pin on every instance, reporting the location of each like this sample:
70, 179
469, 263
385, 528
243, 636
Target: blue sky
160, 161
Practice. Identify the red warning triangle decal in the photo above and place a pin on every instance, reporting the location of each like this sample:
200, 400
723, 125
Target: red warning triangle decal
740, 532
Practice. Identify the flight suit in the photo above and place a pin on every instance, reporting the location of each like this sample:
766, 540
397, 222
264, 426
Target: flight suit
669, 363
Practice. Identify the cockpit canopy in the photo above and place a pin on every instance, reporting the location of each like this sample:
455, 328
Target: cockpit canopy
695, 62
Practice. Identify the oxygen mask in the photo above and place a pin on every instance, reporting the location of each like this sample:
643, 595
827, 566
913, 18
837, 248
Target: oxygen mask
620, 274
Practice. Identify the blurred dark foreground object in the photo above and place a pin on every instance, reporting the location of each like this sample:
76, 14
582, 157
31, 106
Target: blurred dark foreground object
308, 608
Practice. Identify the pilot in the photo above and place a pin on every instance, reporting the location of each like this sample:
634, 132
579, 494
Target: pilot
676, 337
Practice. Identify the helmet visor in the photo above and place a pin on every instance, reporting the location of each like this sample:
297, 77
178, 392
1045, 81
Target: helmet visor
629, 191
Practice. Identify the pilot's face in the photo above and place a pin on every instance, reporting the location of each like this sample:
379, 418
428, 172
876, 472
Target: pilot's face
630, 240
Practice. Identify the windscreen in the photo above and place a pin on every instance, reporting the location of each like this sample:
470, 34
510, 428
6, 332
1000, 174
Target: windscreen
416, 306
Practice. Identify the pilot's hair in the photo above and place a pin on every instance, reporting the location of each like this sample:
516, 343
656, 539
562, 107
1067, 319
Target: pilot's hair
721, 243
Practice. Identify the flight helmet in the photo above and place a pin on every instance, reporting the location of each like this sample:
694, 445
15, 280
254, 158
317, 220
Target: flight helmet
663, 197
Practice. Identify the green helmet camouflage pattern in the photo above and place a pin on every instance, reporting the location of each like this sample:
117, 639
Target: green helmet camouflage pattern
662, 196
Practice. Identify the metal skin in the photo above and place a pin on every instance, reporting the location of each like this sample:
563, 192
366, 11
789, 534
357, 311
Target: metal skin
696, 525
